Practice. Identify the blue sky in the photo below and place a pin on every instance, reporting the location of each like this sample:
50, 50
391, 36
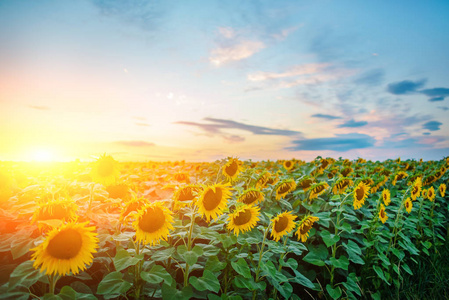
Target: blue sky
201, 80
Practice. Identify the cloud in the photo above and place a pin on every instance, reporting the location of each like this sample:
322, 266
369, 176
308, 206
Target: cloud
405, 87
426, 133
306, 69
142, 124
324, 116
233, 139
341, 142
445, 108
39, 107
135, 143
218, 124
436, 94
241, 50
432, 125
352, 123
435, 99
371, 78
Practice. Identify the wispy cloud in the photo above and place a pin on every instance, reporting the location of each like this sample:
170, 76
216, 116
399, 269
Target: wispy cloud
239, 51
371, 78
341, 142
436, 94
142, 124
324, 116
306, 69
352, 123
432, 125
39, 107
135, 143
445, 108
405, 87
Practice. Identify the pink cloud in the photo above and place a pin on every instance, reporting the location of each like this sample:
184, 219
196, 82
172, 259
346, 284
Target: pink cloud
235, 52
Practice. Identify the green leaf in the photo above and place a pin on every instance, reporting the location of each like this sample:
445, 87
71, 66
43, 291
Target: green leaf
384, 259
302, 280
67, 293
24, 274
228, 241
398, 253
352, 246
123, 259
241, 267
335, 293
249, 283
407, 268
209, 250
214, 265
329, 239
113, 284
21, 248
156, 275
207, 282
171, 293
316, 256
376, 296
351, 285
160, 255
291, 263
342, 262
356, 258
380, 273
190, 257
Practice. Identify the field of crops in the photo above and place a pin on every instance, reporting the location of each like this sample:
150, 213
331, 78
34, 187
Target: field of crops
232, 229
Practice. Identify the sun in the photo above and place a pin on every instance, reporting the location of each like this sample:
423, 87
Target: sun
42, 155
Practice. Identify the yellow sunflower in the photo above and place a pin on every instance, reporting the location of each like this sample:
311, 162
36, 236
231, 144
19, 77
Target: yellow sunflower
304, 227
346, 171
185, 195
118, 191
232, 168
251, 196
213, 200
66, 249
263, 180
360, 193
285, 187
442, 189
408, 205
243, 219
153, 223
181, 177
341, 185
386, 197
317, 189
383, 214
131, 206
424, 193
416, 188
289, 164
399, 176
105, 170
60, 209
431, 194
305, 183
282, 225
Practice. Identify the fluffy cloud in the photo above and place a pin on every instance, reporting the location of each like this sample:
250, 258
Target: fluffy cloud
352, 123
324, 116
341, 142
405, 87
432, 125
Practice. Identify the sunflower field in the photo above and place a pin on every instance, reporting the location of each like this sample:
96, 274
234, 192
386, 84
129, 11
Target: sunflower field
232, 229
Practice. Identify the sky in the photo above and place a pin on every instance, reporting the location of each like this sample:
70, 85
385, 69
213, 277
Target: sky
204, 80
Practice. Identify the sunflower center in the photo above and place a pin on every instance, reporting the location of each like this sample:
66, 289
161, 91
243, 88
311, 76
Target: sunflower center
305, 228
306, 183
281, 224
359, 193
56, 212
250, 198
232, 169
152, 220
318, 189
212, 199
65, 245
186, 195
288, 164
415, 190
105, 168
382, 213
284, 188
243, 217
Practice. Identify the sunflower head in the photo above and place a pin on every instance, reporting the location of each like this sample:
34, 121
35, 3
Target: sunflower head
442, 189
408, 205
251, 196
386, 197
317, 189
431, 194
360, 193
232, 168
346, 171
105, 170
382, 214
284, 187
341, 185
416, 188
153, 223
186, 195
424, 193
288, 164
304, 227
131, 207
282, 225
59, 209
66, 249
181, 177
262, 180
243, 219
118, 191
213, 199
305, 183
399, 176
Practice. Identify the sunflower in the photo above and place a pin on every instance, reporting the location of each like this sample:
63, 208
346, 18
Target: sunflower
324, 163
66, 249
285, 187
289, 164
442, 189
304, 226
424, 193
118, 191
341, 185
153, 223
262, 180
213, 200
346, 171
399, 176
360, 193
181, 177
431, 194
131, 207
251, 196
317, 189
386, 197
105, 170
416, 189
408, 205
60, 209
368, 181
185, 195
243, 219
305, 183
382, 214
282, 225
232, 168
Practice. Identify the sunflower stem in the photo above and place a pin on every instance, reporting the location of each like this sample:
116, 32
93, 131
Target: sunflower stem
280, 266
395, 230
137, 271
52, 279
256, 279
189, 245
